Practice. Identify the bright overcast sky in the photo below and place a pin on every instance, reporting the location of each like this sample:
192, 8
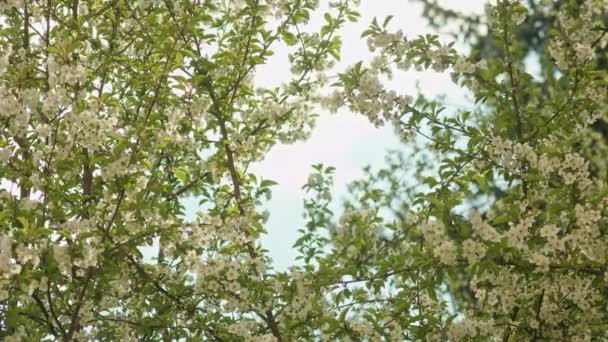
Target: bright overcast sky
343, 140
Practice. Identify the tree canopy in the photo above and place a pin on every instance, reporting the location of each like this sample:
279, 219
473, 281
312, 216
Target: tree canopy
492, 226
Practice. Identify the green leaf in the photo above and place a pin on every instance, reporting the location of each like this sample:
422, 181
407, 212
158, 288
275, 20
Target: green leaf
431, 181
500, 219
289, 38
267, 183
387, 20
182, 174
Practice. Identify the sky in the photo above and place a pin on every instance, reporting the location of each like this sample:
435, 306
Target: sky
344, 140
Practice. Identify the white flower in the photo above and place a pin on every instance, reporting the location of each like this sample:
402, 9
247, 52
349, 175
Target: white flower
43, 130
518, 17
370, 85
5, 154
383, 40
433, 232
4, 59
473, 251
333, 102
584, 52
482, 229
446, 251
464, 67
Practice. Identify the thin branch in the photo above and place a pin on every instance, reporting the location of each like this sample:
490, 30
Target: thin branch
52, 308
49, 322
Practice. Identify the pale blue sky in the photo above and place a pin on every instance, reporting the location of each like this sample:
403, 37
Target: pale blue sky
344, 140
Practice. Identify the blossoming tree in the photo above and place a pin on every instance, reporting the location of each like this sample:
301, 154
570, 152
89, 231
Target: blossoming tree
113, 111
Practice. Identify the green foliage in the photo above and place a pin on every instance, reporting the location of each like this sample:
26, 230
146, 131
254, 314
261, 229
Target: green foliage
490, 225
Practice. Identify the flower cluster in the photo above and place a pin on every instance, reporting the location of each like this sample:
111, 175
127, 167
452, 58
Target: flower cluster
112, 114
